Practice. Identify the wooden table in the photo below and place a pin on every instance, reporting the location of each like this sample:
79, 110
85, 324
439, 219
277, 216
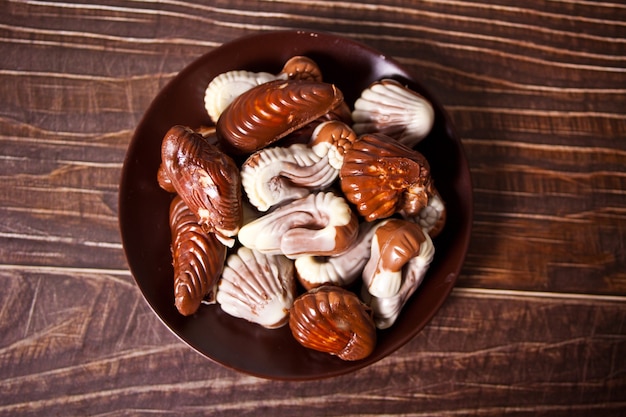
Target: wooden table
537, 322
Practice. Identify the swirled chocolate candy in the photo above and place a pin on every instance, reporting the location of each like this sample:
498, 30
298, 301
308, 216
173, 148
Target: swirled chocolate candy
320, 224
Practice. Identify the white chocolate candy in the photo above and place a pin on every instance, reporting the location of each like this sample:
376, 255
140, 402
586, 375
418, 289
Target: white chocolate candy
258, 288
388, 107
224, 88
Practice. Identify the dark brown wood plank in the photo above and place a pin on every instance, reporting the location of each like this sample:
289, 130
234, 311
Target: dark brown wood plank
485, 353
537, 91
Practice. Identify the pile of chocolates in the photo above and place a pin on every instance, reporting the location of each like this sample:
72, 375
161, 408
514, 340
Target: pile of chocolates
295, 209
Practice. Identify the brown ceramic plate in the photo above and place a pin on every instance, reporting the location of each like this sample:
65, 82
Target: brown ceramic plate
143, 206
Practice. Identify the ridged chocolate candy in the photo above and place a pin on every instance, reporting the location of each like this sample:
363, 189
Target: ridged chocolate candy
381, 176
333, 320
320, 224
277, 174
272, 110
302, 68
257, 287
393, 109
198, 259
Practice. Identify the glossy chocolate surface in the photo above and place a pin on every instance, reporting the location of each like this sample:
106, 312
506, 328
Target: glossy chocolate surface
333, 320
272, 110
198, 259
380, 176
399, 241
205, 178
143, 206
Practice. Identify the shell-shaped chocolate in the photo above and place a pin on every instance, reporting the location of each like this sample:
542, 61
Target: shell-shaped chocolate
258, 288
332, 138
333, 320
387, 309
208, 133
341, 113
224, 88
227, 86
198, 259
206, 179
389, 107
272, 110
274, 175
300, 67
381, 176
321, 224
394, 243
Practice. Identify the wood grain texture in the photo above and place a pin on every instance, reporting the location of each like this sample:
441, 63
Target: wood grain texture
484, 354
537, 324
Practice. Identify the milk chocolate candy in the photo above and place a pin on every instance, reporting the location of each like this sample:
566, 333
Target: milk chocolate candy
205, 178
272, 110
198, 259
381, 177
